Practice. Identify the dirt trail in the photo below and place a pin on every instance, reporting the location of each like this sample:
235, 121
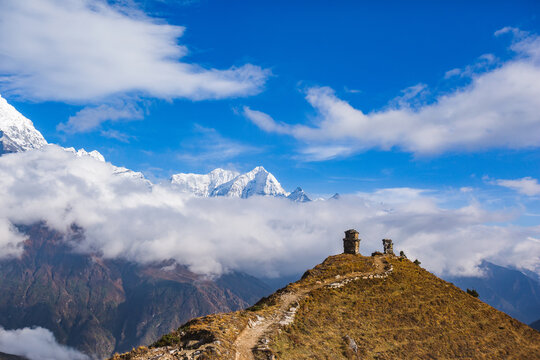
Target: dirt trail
249, 338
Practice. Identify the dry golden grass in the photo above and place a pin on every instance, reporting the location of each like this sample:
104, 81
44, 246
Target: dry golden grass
412, 314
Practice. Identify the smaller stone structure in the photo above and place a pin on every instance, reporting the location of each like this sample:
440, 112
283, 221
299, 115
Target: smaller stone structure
351, 242
388, 247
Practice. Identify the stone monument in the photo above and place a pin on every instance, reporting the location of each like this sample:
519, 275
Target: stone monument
351, 242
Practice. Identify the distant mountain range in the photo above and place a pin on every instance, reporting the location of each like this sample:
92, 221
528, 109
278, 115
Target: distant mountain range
19, 134
220, 182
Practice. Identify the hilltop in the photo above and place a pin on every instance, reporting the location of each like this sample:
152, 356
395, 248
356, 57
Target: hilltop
352, 306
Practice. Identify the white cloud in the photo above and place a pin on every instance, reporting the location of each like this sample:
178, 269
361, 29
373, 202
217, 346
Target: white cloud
91, 118
526, 186
394, 195
82, 50
262, 236
483, 63
36, 344
115, 134
499, 108
265, 122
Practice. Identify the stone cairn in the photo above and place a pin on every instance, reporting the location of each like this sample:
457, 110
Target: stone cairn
388, 247
351, 242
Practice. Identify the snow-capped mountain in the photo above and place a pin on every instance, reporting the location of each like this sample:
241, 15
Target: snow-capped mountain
118, 170
202, 184
132, 175
221, 182
298, 195
81, 152
256, 182
17, 133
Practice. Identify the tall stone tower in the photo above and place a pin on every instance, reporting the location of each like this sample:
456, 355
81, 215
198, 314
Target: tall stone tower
388, 246
351, 242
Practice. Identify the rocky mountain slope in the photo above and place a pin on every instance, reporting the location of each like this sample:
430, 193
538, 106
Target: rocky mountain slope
355, 307
100, 306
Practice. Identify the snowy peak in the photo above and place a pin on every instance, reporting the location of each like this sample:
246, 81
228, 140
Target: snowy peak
298, 195
81, 153
17, 133
202, 184
118, 170
256, 182
135, 176
221, 182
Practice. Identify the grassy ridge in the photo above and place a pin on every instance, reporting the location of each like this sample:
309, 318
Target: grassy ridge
410, 314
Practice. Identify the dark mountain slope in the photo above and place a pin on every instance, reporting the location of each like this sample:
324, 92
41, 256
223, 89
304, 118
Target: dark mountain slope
100, 306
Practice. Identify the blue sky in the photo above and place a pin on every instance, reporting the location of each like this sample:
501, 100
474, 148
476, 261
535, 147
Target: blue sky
366, 53
426, 113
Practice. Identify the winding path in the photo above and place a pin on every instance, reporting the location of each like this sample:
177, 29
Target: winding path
250, 337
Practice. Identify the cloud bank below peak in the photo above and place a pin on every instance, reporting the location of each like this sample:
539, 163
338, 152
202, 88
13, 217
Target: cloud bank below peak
499, 108
82, 51
124, 218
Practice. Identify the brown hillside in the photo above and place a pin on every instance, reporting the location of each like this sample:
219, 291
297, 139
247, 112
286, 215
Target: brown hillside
355, 307
102, 306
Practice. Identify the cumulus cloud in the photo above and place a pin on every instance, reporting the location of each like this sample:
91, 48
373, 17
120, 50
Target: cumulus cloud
82, 50
36, 344
526, 186
499, 108
124, 218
